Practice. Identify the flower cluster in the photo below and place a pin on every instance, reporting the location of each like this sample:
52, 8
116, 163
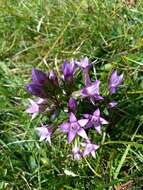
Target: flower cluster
57, 94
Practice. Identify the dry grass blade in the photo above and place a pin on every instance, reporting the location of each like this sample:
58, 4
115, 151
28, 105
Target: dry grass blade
125, 186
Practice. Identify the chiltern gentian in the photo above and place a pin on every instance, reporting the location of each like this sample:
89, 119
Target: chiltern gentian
44, 85
90, 148
53, 78
114, 81
39, 80
37, 90
36, 106
95, 120
74, 127
39, 77
68, 70
45, 133
84, 65
56, 96
72, 105
92, 91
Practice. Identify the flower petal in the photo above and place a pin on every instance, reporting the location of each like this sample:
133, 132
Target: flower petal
97, 113
72, 118
39, 77
103, 121
113, 76
71, 135
84, 63
33, 108
93, 154
83, 122
95, 146
48, 138
65, 127
98, 129
112, 90
89, 125
36, 90
81, 132
87, 150
113, 104
72, 104
33, 116
87, 116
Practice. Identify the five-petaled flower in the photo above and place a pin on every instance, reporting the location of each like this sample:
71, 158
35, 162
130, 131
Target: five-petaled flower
92, 91
89, 148
114, 81
45, 133
95, 120
36, 106
74, 127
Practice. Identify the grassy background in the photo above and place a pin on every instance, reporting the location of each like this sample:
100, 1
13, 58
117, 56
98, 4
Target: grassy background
42, 33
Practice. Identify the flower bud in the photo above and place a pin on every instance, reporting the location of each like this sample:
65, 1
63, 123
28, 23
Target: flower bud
72, 104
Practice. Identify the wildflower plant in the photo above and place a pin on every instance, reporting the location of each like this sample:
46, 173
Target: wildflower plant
83, 107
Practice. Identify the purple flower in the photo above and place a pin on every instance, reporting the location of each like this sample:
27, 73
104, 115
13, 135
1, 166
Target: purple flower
39, 77
114, 81
45, 133
90, 149
112, 104
72, 104
95, 120
76, 153
39, 80
92, 91
68, 70
74, 127
37, 106
43, 84
37, 90
84, 65
53, 78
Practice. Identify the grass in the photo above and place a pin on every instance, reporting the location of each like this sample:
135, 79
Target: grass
41, 34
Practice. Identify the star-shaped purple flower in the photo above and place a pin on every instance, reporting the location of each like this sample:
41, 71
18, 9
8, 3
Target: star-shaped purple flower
36, 106
74, 127
90, 148
45, 133
114, 81
84, 63
92, 91
95, 120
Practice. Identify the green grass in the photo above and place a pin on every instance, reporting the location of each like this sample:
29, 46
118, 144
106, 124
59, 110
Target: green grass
41, 34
